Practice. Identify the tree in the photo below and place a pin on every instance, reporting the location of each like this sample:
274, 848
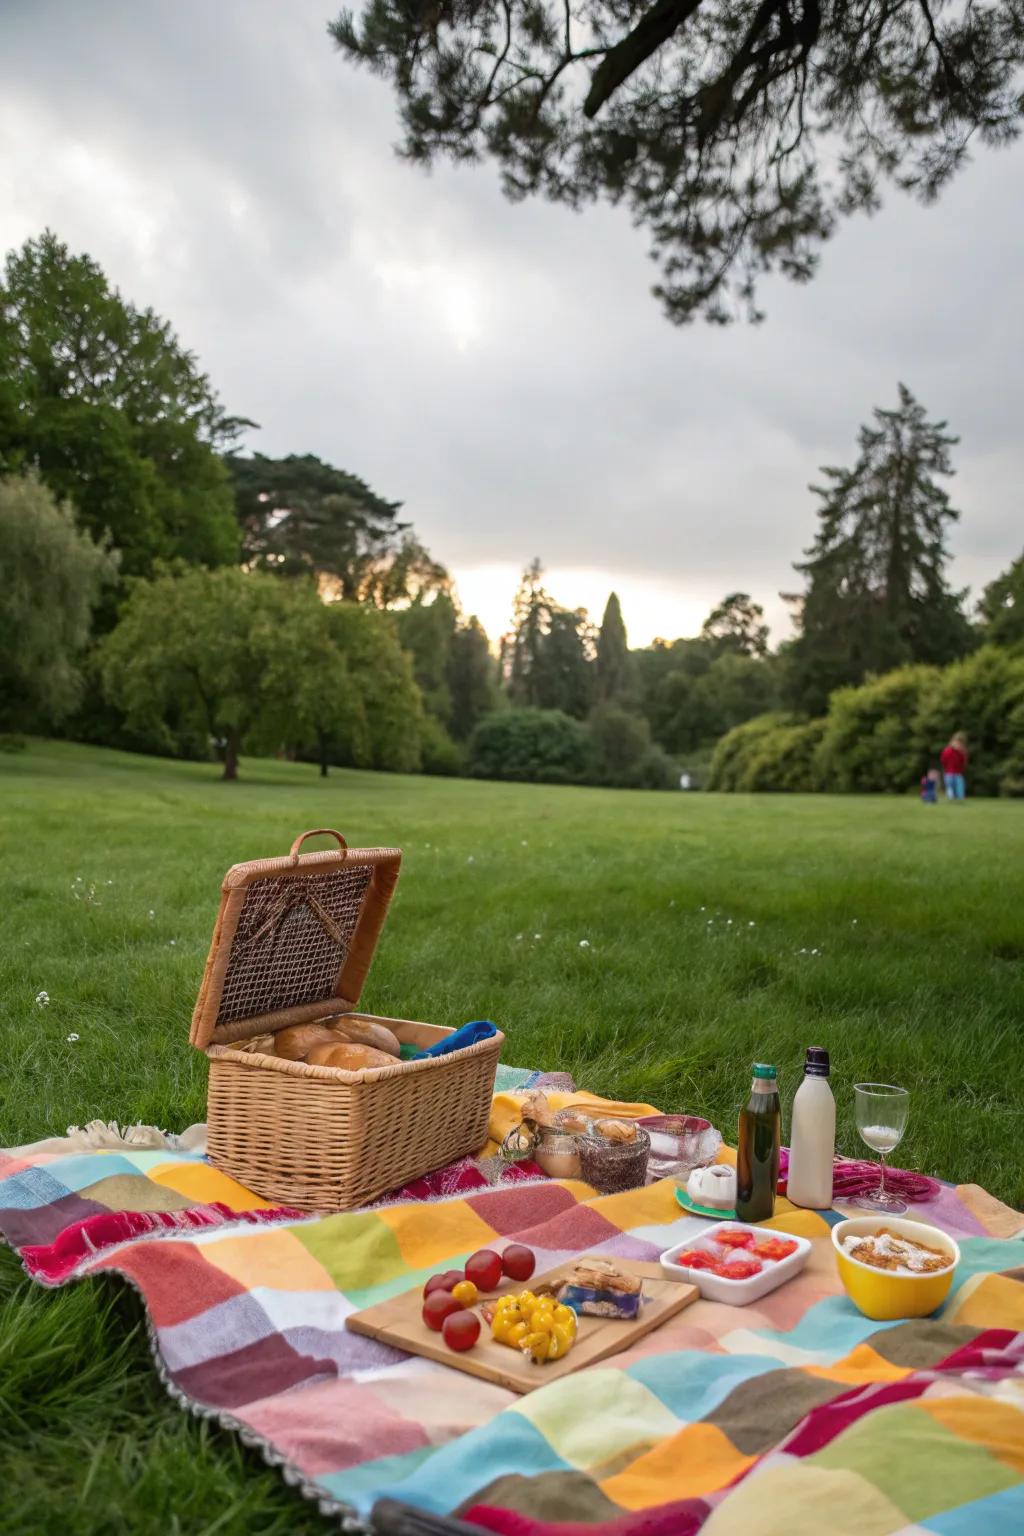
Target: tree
53, 575
471, 679
338, 684
535, 745
300, 516
547, 660
1002, 607
613, 670
113, 411
197, 642
426, 631
737, 625
736, 132
877, 596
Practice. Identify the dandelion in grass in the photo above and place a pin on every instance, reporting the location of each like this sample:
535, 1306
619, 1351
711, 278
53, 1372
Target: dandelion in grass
42, 999
471, 859
584, 943
751, 925
72, 1038
519, 938
152, 914
171, 943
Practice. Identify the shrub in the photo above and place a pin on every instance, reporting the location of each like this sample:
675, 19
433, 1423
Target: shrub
738, 746
438, 752
983, 696
785, 758
870, 741
538, 745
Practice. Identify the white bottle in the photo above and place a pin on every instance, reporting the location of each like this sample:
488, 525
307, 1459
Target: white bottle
812, 1137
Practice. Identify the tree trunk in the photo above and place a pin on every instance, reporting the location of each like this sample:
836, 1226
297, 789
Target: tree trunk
231, 756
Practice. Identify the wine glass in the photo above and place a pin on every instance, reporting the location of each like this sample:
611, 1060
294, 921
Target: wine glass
882, 1111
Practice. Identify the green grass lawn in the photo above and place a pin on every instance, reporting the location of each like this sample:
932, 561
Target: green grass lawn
719, 930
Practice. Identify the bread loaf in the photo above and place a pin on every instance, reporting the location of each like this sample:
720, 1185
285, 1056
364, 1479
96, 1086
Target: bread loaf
293, 1043
351, 1058
362, 1032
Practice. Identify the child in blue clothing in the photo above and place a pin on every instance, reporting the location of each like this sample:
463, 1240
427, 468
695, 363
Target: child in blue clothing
930, 786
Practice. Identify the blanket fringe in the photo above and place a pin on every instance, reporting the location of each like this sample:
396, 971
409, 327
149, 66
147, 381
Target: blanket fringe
107, 1135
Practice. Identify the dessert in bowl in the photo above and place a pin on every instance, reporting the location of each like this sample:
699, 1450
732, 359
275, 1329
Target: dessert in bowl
892, 1267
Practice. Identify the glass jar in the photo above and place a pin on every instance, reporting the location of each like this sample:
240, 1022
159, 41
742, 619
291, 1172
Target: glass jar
557, 1153
611, 1166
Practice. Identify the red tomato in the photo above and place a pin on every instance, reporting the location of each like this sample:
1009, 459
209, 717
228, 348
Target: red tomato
774, 1248
699, 1258
438, 1306
735, 1237
461, 1330
739, 1269
518, 1261
484, 1269
444, 1282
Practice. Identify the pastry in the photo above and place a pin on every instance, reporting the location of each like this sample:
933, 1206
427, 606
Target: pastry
362, 1032
350, 1058
295, 1042
615, 1130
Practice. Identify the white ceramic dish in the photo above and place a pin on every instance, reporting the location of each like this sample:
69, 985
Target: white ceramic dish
736, 1293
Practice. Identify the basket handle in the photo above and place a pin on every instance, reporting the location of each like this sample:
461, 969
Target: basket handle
315, 832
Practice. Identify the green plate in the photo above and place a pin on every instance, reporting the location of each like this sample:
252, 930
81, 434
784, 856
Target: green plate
702, 1210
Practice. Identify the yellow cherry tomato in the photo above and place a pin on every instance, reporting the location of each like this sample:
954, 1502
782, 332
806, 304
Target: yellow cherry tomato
465, 1293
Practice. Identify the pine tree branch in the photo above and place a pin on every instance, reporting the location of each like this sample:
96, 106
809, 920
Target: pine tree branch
654, 28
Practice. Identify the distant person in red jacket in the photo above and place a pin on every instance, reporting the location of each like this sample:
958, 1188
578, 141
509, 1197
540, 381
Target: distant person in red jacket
954, 761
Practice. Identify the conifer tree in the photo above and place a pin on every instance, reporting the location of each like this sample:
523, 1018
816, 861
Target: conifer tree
877, 595
613, 667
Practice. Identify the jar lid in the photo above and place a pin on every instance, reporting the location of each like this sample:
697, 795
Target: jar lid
761, 1069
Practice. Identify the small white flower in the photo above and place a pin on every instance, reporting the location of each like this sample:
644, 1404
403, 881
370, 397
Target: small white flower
171, 942
108, 882
519, 938
751, 925
524, 843
801, 951
42, 999
671, 903
471, 860
152, 914
853, 923
72, 1038
537, 938
814, 951
703, 909
584, 943
728, 922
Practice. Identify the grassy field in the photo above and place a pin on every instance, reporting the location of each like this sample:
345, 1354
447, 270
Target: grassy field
717, 930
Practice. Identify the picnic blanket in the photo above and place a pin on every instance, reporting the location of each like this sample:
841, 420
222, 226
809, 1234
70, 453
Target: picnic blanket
793, 1415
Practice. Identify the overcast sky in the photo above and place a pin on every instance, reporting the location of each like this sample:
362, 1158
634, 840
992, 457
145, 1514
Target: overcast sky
500, 368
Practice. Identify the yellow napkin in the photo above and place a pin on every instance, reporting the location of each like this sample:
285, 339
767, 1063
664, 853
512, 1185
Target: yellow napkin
507, 1112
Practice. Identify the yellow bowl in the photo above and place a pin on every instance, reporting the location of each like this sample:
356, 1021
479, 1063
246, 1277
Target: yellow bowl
879, 1293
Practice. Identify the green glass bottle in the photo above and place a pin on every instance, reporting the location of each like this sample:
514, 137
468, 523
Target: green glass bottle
757, 1157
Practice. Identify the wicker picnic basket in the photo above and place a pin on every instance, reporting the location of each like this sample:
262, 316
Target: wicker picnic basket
293, 944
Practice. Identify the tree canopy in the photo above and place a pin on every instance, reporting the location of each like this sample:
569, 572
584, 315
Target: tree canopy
299, 516
53, 576
877, 595
114, 412
736, 132
1002, 606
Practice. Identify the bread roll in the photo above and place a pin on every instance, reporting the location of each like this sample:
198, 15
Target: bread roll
293, 1043
362, 1032
351, 1058
615, 1130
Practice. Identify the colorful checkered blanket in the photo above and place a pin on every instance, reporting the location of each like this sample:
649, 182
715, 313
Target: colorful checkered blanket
794, 1415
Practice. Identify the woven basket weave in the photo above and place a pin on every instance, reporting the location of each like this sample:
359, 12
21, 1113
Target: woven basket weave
293, 944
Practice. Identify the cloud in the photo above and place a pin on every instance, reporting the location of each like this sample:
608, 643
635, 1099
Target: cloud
501, 368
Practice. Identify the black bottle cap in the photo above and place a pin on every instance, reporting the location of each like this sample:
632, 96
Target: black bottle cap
817, 1063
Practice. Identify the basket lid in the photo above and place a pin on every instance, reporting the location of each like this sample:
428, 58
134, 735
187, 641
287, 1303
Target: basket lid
293, 934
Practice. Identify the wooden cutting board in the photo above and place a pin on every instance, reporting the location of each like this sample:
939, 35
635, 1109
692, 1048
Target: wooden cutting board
398, 1322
